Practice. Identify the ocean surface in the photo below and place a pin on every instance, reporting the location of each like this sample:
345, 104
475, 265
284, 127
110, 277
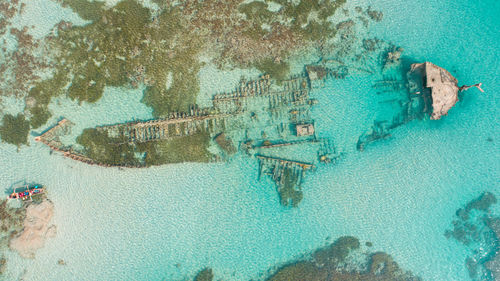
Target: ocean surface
168, 222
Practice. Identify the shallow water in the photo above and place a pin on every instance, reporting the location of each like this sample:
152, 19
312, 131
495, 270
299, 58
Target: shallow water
401, 194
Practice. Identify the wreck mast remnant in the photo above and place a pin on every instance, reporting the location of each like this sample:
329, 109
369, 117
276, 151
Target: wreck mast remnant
442, 85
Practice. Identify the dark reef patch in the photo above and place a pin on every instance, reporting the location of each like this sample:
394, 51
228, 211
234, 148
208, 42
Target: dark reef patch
15, 129
343, 260
205, 274
335, 262
479, 230
129, 45
98, 146
290, 193
193, 148
117, 151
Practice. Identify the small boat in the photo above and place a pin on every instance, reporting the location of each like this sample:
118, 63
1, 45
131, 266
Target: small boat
30, 191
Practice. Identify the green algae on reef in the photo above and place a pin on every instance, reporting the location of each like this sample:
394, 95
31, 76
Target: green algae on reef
86, 10
129, 45
98, 146
116, 151
15, 129
277, 70
192, 148
124, 46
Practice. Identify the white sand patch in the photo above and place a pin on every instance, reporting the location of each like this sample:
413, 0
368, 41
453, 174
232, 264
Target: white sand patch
168, 82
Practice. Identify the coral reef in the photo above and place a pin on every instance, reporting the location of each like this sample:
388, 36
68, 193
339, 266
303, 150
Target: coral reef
251, 32
11, 220
15, 129
333, 263
477, 228
342, 260
11, 223
160, 48
493, 265
204, 275
23, 64
125, 45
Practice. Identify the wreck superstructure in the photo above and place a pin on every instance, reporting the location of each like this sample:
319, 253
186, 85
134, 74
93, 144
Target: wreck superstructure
425, 90
438, 85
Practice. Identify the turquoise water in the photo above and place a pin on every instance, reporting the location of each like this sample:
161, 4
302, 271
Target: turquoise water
401, 194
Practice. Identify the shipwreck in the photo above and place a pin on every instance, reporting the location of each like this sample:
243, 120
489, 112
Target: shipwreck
437, 87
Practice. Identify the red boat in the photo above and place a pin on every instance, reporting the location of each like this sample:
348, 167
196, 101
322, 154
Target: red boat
30, 191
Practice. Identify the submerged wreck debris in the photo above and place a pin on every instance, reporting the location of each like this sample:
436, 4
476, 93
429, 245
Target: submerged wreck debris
304, 129
51, 138
176, 125
380, 130
260, 114
390, 84
430, 80
426, 89
327, 69
327, 153
287, 174
225, 143
393, 57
